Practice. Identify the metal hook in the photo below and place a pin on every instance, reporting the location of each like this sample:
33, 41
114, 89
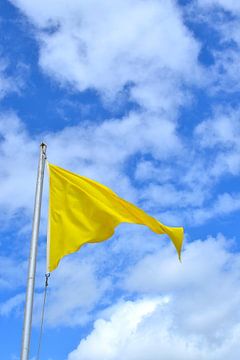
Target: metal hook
47, 276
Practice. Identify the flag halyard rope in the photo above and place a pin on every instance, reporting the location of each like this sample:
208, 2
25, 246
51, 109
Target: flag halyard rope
42, 316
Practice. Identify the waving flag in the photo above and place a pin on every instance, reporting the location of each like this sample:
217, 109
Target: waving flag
83, 211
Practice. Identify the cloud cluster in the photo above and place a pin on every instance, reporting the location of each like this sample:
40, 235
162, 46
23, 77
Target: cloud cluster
141, 49
141, 330
187, 311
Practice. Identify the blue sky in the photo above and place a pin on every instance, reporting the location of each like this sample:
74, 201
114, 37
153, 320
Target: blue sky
142, 96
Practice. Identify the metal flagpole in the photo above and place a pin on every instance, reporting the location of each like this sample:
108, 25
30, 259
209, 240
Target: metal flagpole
33, 256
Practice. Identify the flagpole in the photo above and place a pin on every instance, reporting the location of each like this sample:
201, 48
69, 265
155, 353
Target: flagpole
33, 256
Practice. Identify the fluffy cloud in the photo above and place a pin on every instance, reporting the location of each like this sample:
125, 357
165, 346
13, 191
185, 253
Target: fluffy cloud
187, 311
130, 46
140, 330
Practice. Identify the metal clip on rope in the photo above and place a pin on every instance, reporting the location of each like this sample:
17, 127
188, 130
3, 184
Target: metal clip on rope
47, 276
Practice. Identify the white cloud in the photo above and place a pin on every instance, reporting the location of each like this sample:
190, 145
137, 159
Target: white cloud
113, 334
186, 311
153, 337
111, 45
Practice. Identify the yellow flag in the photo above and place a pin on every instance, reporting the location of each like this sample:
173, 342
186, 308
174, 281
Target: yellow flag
84, 211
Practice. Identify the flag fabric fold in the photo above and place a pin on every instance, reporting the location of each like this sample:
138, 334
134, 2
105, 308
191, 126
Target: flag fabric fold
83, 211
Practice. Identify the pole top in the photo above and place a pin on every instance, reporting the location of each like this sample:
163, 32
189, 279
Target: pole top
43, 150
